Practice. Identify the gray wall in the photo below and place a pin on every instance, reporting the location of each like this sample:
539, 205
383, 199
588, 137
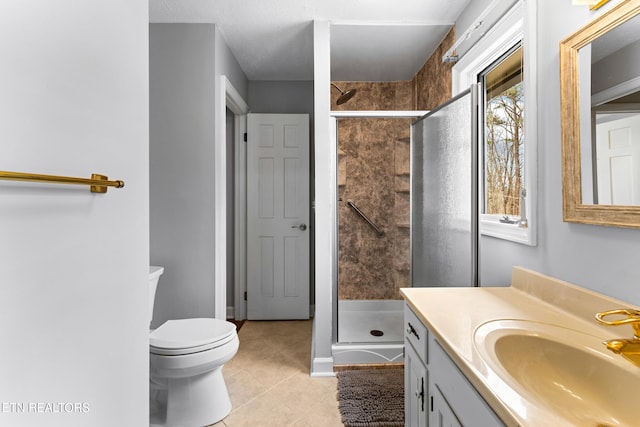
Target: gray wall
469, 16
281, 97
185, 61
617, 67
603, 259
227, 65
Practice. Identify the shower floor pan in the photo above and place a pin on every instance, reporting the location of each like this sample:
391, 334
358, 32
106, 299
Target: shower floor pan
369, 331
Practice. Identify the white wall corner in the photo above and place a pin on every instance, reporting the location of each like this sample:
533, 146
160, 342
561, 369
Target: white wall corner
325, 204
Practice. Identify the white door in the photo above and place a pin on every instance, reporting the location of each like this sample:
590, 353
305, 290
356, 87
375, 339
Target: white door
618, 157
277, 216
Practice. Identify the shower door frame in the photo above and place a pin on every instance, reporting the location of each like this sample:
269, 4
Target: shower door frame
357, 352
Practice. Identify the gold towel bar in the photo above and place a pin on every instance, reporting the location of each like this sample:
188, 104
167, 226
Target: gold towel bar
98, 183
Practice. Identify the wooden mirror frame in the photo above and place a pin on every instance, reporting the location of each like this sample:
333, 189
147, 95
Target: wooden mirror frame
572, 207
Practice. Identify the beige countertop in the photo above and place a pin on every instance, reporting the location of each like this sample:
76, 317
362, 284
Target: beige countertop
453, 314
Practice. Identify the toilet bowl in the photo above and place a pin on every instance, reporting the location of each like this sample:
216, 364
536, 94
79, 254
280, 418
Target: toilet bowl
186, 358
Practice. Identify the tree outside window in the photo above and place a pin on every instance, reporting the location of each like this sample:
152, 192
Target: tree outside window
504, 135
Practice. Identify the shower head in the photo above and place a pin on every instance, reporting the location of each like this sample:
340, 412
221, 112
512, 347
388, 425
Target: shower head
346, 95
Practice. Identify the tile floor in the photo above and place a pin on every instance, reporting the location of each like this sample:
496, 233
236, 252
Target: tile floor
269, 382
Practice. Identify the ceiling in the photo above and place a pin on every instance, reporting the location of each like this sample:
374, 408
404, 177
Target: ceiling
371, 40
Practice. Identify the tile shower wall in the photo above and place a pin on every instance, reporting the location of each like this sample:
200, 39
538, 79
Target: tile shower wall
433, 81
373, 173
376, 96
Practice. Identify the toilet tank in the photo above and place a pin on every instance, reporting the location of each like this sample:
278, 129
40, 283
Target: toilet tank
154, 276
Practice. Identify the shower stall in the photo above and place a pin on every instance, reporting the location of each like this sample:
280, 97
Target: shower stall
373, 156
407, 217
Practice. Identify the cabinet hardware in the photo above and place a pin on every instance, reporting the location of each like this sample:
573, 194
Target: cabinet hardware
412, 330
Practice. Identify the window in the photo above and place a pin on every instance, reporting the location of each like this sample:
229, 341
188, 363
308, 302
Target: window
502, 61
502, 117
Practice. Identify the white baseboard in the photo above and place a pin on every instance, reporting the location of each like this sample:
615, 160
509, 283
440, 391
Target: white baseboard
322, 367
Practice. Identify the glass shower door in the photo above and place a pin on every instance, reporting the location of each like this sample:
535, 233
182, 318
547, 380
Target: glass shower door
444, 194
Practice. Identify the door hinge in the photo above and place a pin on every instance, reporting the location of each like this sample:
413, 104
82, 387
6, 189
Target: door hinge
245, 295
245, 137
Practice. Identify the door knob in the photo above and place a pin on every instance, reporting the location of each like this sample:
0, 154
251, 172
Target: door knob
301, 227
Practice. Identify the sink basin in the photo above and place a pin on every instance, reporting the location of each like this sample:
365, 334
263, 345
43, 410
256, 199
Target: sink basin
568, 373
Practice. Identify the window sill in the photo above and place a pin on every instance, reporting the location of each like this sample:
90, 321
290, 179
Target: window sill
491, 226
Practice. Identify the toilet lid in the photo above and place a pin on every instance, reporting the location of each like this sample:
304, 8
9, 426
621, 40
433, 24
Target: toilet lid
187, 334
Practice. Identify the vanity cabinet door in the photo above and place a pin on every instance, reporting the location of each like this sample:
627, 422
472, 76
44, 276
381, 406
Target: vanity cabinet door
437, 394
415, 333
441, 413
455, 401
416, 388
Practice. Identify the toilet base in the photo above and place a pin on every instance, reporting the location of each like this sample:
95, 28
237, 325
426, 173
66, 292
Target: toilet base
190, 401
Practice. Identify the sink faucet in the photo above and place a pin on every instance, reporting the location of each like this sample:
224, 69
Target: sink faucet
628, 348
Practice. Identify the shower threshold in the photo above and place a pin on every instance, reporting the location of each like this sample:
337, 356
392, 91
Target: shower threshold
367, 353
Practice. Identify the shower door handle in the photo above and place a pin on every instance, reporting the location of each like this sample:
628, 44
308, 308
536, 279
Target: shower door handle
301, 227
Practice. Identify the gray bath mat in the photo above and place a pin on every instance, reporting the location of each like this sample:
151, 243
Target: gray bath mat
371, 397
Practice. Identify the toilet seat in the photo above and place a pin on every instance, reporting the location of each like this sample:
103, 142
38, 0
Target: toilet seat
187, 336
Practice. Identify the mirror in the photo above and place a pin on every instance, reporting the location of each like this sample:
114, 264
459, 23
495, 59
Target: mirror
600, 108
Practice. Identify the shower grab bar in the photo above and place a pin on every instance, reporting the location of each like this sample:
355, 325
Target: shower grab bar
359, 212
98, 183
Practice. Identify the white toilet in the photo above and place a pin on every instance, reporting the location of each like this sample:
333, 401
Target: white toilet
186, 383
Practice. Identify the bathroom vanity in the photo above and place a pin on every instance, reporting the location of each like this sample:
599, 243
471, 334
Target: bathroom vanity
436, 392
530, 354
